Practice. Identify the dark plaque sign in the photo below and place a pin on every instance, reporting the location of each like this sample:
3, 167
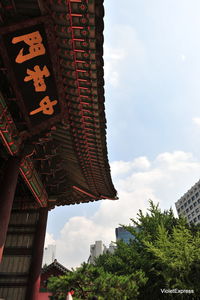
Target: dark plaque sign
28, 53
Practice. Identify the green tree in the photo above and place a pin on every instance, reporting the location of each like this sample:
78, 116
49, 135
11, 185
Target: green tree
89, 280
142, 253
164, 254
178, 254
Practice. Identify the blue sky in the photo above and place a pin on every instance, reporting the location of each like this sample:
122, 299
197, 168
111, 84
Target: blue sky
152, 88
158, 88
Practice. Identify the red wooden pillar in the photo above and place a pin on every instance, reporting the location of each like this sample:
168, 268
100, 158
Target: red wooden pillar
7, 193
37, 254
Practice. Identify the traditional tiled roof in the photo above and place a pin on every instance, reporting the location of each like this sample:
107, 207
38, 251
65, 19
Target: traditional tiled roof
55, 265
64, 161
70, 161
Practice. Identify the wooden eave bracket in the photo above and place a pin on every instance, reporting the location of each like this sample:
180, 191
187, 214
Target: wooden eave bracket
12, 141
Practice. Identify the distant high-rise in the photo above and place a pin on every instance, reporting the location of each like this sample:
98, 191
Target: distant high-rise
123, 234
112, 247
95, 250
49, 255
189, 204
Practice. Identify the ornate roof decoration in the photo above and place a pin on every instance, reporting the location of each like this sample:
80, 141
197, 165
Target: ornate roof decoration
55, 265
69, 163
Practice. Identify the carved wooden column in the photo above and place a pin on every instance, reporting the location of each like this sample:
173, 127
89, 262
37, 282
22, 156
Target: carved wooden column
7, 193
37, 254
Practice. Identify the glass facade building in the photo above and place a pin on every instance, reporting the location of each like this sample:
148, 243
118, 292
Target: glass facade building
122, 234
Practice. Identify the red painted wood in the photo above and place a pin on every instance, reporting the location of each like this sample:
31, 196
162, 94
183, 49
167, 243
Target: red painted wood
44, 296
35, 268
7, 188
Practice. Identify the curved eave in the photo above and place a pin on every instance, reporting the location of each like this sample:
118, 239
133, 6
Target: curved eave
79, 31
78, 143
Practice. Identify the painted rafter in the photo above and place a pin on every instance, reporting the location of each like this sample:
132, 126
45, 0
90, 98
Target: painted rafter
12, 141
77, 34
79, 37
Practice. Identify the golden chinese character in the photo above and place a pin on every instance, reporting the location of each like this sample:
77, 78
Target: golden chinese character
34, 40
46, 106
37, 77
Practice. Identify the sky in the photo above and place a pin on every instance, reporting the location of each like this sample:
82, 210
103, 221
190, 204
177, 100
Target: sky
152, 98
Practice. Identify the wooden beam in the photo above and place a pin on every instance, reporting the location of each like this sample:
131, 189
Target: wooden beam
13, 284
35, 268
7, 188
17, 251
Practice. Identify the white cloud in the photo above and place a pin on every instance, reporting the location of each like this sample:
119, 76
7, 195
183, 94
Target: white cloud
183, 57
122, 167
112, 58
125, 55
164, 179
196, 121
49, 239
76, 237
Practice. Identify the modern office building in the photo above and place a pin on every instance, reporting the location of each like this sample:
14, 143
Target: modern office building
111, 248
98, 249
95, 250
123, 234
189, 204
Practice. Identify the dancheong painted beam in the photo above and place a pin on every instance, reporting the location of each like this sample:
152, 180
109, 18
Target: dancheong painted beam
58, 90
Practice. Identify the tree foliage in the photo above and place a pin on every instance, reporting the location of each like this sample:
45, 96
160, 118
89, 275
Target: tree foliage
90, 280
164, 254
